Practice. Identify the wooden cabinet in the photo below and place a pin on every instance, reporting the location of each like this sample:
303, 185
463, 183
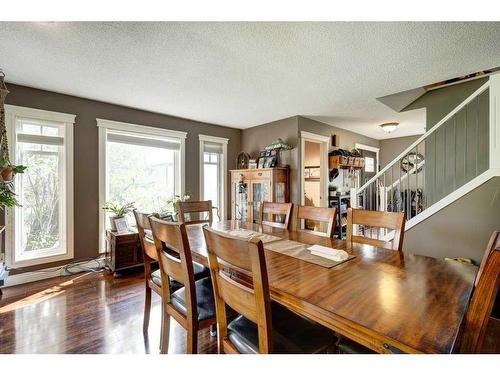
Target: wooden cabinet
249, 187
123, 251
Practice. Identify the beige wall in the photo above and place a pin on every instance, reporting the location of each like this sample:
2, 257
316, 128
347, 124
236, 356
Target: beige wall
86, 191
461, 229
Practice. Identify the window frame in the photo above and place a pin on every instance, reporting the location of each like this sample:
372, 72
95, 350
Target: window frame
222, 173
12, 114
132, 129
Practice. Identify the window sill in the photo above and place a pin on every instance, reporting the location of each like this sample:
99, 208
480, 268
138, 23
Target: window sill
41, 260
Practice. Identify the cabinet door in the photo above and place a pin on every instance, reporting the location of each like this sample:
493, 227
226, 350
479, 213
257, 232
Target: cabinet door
260, 190
241, 199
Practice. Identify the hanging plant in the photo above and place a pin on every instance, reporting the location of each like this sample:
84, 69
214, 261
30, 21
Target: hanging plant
8, 170
7, 197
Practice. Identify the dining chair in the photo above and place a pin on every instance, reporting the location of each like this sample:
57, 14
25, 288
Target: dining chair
483, 298
262, 326
322, 214
195, 207
192, 306
271, 210
372, 221
150, 256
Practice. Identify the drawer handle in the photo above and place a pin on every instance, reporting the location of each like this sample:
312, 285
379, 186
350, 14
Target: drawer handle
259, 174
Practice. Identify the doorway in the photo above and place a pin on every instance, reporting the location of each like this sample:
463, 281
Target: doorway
371, 168
314, 172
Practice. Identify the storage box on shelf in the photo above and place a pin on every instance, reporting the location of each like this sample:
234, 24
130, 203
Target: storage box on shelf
339, 161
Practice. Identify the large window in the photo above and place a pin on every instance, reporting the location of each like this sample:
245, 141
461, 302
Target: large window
213, 151
41, 228
139, 164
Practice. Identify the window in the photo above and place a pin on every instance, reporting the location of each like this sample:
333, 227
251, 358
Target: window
139, 164
213, 151
41, 229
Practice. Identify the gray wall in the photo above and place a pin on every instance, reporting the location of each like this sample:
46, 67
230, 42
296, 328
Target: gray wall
347, 138
461, 229
86, 150
391, 148
257, 138
458, 151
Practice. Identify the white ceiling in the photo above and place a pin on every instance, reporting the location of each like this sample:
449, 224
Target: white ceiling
246, 74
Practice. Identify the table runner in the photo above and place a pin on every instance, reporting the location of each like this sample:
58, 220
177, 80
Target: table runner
247, 234
299, 250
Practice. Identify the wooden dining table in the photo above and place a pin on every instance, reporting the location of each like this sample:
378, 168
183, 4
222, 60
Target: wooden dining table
388, 301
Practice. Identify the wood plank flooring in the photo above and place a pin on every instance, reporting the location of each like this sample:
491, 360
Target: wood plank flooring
86, 313
97, 313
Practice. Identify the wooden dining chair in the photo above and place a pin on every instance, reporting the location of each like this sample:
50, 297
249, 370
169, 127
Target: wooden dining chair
271, 210
263, 326
195, 207
483, 298
372, 222
150, 256
192, 306
321, 214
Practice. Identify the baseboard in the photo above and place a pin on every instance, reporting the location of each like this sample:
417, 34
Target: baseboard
47, 273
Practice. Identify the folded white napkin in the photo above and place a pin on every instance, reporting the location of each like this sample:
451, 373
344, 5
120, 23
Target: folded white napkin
328, 252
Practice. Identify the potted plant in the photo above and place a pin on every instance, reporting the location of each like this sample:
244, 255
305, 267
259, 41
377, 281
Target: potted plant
173, 205
118, 211
9, 170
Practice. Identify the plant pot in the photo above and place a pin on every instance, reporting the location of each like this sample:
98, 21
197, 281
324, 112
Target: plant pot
112, 222
7, 174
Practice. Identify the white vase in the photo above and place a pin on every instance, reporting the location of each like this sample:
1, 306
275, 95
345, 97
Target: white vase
112, 222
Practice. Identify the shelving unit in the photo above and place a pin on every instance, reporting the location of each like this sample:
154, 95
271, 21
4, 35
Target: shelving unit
341, 203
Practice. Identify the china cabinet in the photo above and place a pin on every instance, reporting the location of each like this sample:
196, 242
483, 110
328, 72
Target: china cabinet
249, 187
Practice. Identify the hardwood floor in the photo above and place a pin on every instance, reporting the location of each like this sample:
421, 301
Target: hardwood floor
86, 313
96, 313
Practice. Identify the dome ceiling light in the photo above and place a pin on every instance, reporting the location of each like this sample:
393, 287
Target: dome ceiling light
389, 127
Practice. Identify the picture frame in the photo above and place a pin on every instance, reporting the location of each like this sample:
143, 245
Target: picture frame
252, 164
121, 225
314, 172
270, 162
261, 163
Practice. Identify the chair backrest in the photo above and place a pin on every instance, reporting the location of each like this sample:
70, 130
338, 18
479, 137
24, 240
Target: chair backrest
174, 257
272, 209
483, 299
148, 246
198, 207
250, 300
372, 221
321, 214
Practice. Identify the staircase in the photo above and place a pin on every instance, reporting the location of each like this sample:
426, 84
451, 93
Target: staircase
458, 154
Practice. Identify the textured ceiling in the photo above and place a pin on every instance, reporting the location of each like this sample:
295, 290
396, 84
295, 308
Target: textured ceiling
246, 74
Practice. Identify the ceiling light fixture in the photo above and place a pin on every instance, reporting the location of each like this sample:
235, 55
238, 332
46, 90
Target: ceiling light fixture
389, 127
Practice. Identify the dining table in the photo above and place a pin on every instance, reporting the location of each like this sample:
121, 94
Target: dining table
389, 301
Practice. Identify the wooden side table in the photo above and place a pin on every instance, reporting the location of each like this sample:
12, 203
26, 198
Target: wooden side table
123, 251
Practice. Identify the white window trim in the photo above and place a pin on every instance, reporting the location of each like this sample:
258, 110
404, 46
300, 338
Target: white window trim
11, 113
104, 126
223, 141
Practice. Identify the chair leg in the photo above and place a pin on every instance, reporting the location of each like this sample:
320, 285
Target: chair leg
192, 341
213, 330
165, 330
147, 310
